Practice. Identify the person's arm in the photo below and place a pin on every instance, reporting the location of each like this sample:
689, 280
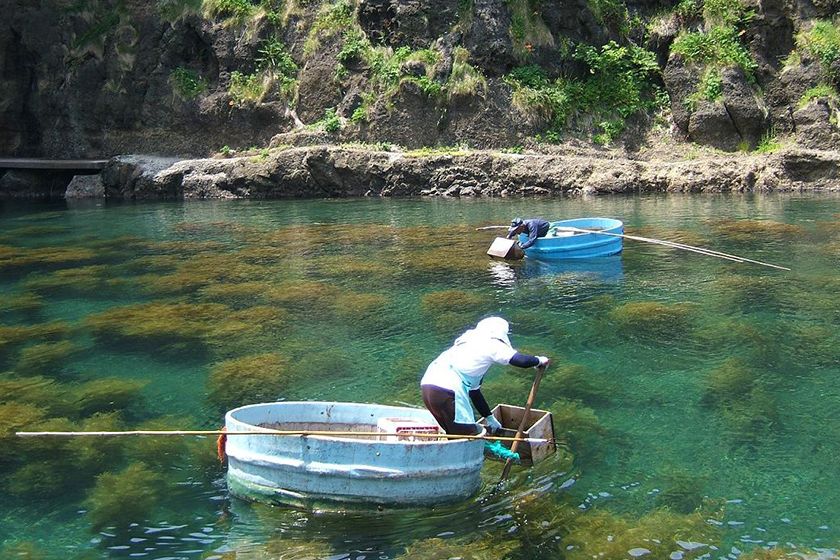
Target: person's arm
480, 403
532, 236
526, 360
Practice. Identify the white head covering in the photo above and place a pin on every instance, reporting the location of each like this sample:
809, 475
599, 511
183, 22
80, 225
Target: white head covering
491, 327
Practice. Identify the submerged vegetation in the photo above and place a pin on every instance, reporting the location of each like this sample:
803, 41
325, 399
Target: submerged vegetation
241, 312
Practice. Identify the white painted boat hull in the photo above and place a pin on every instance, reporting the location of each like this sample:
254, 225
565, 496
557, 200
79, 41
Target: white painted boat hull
313, 471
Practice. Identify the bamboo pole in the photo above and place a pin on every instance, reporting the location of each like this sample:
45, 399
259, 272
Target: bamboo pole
524, 422
270, 432
675, 245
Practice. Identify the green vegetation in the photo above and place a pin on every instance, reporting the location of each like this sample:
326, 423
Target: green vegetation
235, 10
247, 379
186, 83
769, 143
95, 34
171, 10
609, 12
464, 79
527, 28
651, 319
332, 19
275, 61
822, 41
331, 122
618, 86
719, 47
248, 88
125, 497
821, 91
710, 89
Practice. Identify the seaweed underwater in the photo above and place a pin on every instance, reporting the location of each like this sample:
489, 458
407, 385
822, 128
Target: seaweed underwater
245, 310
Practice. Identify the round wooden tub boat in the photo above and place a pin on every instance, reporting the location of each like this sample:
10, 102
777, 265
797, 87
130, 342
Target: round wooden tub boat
562, 243
323, 470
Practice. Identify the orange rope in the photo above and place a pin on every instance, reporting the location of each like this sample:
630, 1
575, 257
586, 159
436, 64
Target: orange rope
221, 441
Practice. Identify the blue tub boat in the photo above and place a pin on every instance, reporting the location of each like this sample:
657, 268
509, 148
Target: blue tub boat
335, 472
562, 243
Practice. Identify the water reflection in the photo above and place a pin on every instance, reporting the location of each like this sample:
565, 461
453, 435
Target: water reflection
607, 270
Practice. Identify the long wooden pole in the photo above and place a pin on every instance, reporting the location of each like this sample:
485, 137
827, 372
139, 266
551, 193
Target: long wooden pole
524, 422
270, 432
675, 245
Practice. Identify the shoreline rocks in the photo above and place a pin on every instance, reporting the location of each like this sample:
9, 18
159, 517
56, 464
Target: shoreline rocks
324, 171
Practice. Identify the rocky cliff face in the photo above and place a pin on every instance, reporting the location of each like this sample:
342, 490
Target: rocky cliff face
188, 77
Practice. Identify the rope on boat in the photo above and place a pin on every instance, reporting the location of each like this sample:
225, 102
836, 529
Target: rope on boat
221, 443
260, 431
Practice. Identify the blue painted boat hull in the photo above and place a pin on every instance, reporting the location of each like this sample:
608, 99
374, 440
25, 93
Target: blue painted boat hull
558, 245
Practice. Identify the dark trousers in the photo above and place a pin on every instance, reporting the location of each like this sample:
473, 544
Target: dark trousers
441, 403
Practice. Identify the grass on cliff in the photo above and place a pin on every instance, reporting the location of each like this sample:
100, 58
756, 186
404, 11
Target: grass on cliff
820, 91
822, 40
718, 45
527, 28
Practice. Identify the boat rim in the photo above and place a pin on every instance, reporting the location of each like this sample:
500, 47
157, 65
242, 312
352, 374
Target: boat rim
357, 439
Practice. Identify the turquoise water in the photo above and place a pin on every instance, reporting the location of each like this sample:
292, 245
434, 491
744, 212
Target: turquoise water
697, 396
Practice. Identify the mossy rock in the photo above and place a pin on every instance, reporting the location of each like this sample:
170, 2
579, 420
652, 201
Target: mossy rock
27, 302
88, 280
483, 548
93, 455
106, 395
161, 325
752, 418
306, 295
11, 336
651, 319
159, 451
129, 496
15, 417
458, 301
46, 358
746, 231
600, 534
682, 492
731, 381
247, 380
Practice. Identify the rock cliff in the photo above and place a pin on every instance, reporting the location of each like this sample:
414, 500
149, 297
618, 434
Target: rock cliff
194, 78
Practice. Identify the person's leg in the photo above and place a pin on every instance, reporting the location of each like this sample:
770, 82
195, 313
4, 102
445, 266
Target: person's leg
441, 403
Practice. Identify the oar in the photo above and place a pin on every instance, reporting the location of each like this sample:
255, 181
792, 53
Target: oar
673, 244
524, 422
270, 432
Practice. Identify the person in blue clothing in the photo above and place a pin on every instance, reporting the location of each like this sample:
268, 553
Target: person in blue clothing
533, 227
453, 380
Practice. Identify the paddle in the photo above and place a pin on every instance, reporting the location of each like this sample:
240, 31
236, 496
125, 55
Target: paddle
524, 422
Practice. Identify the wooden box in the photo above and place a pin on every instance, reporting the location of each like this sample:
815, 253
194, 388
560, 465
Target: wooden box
540, 425
506, 249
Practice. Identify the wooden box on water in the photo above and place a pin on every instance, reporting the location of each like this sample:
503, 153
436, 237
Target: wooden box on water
540, 425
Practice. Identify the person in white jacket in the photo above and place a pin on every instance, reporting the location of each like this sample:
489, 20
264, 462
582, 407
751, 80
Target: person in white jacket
453, 380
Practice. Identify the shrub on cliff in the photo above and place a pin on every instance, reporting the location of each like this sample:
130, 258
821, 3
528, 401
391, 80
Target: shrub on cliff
617, 86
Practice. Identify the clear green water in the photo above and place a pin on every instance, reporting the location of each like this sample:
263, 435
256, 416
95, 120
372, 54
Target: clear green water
682, 383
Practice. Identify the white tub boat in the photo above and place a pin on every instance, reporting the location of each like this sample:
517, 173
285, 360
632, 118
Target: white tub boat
323, 470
